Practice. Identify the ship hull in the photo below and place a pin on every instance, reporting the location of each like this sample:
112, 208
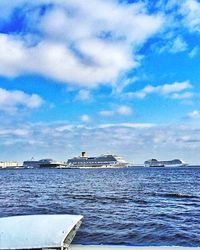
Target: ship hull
167, 166
95, 167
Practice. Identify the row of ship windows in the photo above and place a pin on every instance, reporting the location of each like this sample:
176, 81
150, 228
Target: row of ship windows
95, 162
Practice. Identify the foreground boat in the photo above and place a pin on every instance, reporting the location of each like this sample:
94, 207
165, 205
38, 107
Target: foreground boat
50, 232
38, 231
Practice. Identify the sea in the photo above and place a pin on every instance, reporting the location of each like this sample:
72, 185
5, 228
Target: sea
131, 206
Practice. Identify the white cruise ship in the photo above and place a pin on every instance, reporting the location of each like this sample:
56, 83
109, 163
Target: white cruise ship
48, 163
102, 161
172, 163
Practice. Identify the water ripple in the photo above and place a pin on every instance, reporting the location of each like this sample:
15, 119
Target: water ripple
122, 206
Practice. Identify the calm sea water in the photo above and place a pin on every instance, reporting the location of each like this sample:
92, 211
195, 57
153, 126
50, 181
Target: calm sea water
138, 206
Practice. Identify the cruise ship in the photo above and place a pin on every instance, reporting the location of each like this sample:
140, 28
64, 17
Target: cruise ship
48, 163
102, 161
172, 163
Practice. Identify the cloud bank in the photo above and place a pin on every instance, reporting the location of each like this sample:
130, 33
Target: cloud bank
70, 42
136, 142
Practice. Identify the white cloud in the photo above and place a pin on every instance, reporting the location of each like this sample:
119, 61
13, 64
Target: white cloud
190, 9
194, 52
185, 13
174, 87
120, 110
14, 132
184, 95
169, 90
106, 112
181, 17
85, 118
83, 95
13, 56
11, 100
179, 45
194, 114
173, 44
124, 110
77, 44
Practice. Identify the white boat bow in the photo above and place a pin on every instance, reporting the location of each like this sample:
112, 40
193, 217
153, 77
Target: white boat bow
38, 231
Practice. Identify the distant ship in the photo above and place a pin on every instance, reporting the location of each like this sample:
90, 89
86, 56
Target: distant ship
48, 163
102, 161
172, 163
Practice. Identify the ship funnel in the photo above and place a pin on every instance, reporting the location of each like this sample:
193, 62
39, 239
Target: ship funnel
83, 154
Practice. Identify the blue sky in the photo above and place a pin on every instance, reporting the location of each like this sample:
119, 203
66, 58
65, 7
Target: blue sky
102, 76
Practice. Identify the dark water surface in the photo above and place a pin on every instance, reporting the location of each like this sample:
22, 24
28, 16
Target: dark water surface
137, 206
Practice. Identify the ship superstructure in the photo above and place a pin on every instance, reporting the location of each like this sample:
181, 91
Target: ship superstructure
102, 161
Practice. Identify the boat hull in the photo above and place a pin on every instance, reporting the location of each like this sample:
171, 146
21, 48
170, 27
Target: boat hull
38, 231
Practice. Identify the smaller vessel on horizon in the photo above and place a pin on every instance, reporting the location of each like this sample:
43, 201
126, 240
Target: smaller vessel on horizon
171, 163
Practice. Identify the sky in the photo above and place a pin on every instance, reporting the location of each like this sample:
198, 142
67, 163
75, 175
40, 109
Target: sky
102, 76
